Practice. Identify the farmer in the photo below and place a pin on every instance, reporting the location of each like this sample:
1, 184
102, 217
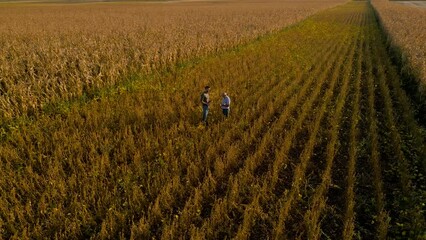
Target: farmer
205, 102
225, 105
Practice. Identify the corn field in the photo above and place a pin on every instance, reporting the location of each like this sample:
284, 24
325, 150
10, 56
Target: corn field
406, 29
55, 52
321, 143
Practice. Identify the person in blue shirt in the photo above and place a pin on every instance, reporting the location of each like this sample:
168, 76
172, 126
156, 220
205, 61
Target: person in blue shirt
226, 103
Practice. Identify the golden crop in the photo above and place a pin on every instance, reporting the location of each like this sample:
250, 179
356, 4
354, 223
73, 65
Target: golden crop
406, 29
321, 143
53, 52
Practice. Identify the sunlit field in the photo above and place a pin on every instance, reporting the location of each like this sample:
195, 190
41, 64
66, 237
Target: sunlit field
101, 133
53, 52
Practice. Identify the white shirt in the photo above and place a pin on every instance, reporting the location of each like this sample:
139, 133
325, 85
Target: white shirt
226, 102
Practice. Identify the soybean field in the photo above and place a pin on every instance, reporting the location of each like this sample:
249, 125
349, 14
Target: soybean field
322, 142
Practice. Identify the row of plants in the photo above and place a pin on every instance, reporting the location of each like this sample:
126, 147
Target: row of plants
82, 48
321, 142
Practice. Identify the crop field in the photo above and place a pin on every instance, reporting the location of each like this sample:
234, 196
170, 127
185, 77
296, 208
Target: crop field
322, 142
420, 4
53, 52
394, 18
406, 31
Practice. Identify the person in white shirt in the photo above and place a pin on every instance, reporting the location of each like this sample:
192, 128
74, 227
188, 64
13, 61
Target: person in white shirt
226, 103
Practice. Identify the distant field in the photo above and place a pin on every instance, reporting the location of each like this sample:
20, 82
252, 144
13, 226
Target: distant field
321, 143
76, 1
407, 44
87, 1
421, 4
51, 52
106, 1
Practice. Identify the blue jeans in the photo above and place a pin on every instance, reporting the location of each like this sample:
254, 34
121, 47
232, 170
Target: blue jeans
225, 112
205, 113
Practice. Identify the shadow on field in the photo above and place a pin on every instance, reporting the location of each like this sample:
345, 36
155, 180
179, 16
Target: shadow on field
410, 76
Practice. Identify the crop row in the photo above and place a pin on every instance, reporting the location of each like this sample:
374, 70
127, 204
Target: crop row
131, 156
405, 31
82, 48
321, 142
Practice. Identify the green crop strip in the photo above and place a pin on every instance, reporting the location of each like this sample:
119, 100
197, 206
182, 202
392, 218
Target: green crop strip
314, 147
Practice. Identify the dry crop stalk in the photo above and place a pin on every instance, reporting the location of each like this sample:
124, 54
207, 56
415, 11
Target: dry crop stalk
382, 215
300, 169
318, 201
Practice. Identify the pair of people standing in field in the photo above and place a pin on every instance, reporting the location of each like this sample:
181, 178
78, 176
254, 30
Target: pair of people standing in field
205, 102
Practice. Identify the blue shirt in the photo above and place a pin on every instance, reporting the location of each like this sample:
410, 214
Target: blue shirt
226, 102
